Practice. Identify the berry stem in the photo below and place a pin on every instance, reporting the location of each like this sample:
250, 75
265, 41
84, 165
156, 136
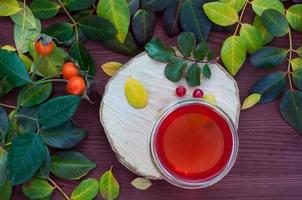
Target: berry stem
289, 66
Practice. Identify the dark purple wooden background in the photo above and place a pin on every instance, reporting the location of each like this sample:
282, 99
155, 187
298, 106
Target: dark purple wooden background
269, 164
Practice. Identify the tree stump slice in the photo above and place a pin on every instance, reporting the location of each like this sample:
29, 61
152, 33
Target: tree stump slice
128, 129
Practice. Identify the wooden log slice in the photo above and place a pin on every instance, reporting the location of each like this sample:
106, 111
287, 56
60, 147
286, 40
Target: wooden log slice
128, 129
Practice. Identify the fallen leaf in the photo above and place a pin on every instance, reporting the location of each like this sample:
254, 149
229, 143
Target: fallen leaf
110, 68
141, 183
136, 93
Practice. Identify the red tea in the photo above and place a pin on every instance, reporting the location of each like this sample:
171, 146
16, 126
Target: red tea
194, 142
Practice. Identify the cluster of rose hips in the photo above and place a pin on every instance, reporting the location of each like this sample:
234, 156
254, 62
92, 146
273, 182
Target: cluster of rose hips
75, 82
181, 91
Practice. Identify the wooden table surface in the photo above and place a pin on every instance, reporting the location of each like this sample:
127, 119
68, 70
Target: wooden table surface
269, 164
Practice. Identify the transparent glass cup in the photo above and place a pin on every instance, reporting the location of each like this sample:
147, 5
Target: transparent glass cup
186, 183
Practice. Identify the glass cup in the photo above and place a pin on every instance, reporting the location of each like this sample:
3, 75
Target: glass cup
180, 180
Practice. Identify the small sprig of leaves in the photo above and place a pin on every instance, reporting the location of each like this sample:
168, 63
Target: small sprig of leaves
272, 20
187, 63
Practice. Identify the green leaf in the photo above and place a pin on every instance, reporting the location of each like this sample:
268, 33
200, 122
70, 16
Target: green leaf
64, 136
76, 5
26, 60
252, 37
268, 57
143, 24
26, 155
221, 13
206, 71
58, 110
97, 28
23, 37
291, 109
294, 17
87, 189
201, 51
154, 5
237, 4
297, 78
3, 161
296, 63
266, 36
37, 188
43, 171
261, 5
193, 75
6, 191
141, 183
233, 54
25, 125
62, 32
158, 51
134, 6
81, 15
13, 68
79, 52
4, 125
50, 65
250, 101
70, 165
109, 186
299, 51
9, 7
171, 17
33, 95
44, 9
275, 22
270, 87
118, 13
5, 87
186, 43
24, 18
193, 19
174, 70
128, 48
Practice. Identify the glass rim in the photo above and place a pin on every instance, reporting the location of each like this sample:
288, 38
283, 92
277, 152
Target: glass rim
192, 184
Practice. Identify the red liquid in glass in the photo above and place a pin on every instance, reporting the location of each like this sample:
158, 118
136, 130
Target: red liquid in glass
194, 143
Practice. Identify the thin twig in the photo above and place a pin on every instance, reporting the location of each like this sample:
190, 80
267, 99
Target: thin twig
58, 187
289, 67
7, 106
241, 16
192, 60
71, 18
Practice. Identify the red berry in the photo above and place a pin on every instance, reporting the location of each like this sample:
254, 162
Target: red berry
181, 91
198, 93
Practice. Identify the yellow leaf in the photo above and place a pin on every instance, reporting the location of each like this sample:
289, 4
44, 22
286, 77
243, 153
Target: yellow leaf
250, 101
136, 93
110, 68
26, 60
9, 48
210, 99
296, 63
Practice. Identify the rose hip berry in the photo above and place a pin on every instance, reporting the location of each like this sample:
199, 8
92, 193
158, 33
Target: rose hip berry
198, 93
181, 91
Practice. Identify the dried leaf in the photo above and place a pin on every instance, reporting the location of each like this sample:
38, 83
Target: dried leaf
250, 101
110, 68
136, 93
141, 183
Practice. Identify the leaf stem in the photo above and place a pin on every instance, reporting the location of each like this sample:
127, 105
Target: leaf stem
59, 188
7, 106
192, 60
289, 67
71, 18
240, 18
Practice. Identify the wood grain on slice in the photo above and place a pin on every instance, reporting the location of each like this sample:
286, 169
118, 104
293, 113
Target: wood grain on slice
128, 129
